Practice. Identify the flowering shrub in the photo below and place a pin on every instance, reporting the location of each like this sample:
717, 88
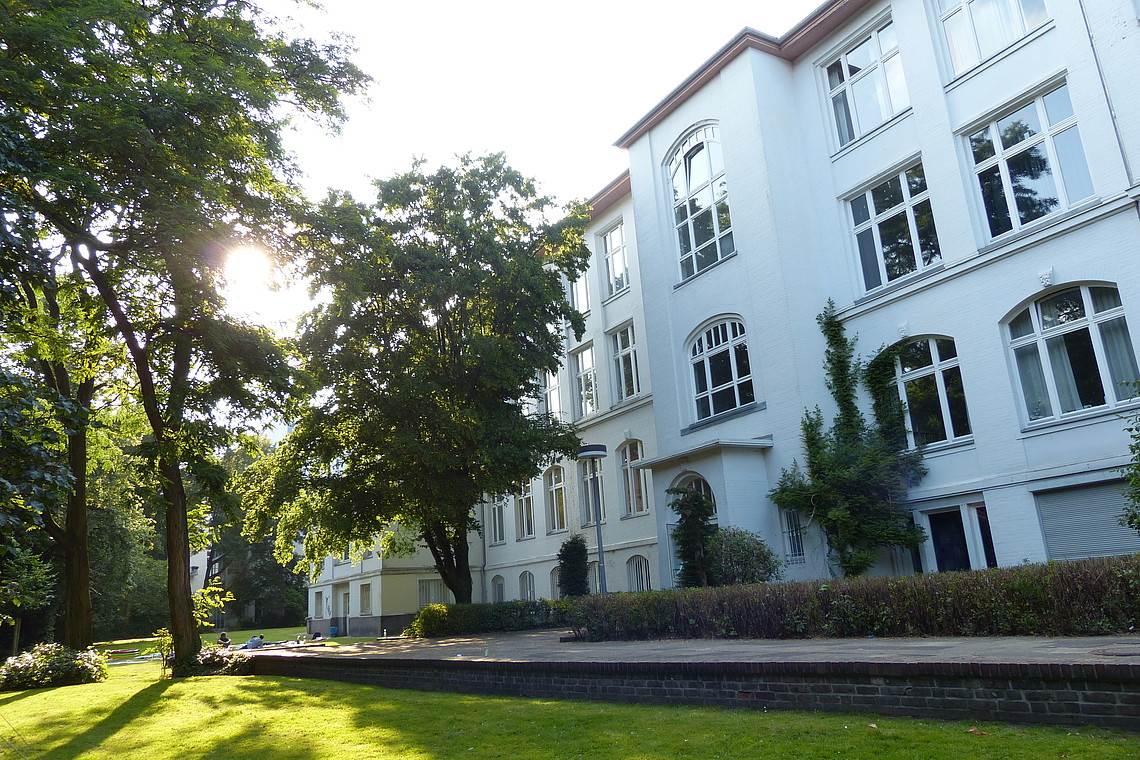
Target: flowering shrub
52, 665
221, 661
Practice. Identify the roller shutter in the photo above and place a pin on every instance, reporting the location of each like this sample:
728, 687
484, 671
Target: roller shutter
1081, 522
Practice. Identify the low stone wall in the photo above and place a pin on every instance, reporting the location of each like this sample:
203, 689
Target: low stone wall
1101, 695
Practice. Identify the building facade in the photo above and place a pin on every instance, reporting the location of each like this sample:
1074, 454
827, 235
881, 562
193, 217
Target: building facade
958, 176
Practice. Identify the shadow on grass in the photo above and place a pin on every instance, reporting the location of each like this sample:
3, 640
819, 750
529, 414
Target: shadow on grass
139, 703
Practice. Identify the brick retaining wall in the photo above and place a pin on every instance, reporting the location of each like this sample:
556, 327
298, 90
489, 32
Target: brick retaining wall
1102, 695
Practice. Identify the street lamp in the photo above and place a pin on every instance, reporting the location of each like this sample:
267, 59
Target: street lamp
596, 452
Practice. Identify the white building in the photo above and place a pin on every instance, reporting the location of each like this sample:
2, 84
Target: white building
955, 174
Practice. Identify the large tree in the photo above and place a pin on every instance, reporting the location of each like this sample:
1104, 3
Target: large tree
155, 127
443, 303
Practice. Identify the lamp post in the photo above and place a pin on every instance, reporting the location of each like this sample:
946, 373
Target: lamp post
595, 452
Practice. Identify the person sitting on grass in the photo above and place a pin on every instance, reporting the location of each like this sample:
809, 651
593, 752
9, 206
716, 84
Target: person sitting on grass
255, 642
223, 639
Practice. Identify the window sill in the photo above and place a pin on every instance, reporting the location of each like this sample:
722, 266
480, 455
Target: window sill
1080, 418
706, 270
946, 447
524, 538
740, 411
556, 531
901, 282
959, 79
615, 296
497, 543
1037, 225
866, 138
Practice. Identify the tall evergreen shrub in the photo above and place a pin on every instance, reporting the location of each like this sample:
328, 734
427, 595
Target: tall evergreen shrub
573, 568
692, 535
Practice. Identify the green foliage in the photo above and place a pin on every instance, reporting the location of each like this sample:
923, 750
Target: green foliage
573, 567
460, 619
209, 600
52, 665
27, 583
215, 660
692, 534
444, 304
164, 647
738, 556
855, 477
1130, 516
1080, 598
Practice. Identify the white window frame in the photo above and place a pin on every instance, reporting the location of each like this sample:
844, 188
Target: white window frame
868, 71
496, 518
638, 574
579, 291
526, 586
904, 193
1030, 336
498, 589
318, 605
614, 251
524, 512
623, 345
961, 21
555, 591
634, 480
944, 366
434, 591
587, 470
726, 336
551, 395
700, 485
700, 202
1069, 170
585, 382
365, 599
554, 485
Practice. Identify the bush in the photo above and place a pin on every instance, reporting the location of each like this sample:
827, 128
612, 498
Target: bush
738, 556
458, 619
52, 665
1081, 598
221, 661
573, 567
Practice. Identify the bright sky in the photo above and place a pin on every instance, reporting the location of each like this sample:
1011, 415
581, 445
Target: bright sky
551, 85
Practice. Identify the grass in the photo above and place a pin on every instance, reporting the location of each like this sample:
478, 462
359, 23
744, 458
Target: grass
238, 637
134, 714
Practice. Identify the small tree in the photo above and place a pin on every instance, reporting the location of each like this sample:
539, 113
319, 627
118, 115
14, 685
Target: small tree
738, 556
26, 584
856, 475
573, 567
692, 535
1130, 517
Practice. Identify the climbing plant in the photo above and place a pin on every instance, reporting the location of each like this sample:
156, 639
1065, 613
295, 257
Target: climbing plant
855, 475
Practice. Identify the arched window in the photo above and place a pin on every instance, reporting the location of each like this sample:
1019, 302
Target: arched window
498, 589
1073, 351
637, 571
700, 485
526, 586
930, 383
634, 481
700, 201
555, 589
722, 373
555, 500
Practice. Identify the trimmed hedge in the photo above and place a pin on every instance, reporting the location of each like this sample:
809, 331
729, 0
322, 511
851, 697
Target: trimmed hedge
458, 619
1081, 598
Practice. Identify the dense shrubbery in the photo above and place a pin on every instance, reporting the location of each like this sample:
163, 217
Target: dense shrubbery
52, 665
455, 619
221, 661
1081, 598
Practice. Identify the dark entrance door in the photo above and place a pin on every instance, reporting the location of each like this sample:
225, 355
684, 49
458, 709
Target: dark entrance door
949, 539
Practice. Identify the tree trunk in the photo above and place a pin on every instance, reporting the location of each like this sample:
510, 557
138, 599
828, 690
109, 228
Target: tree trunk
451, 552
77, 632
183, 628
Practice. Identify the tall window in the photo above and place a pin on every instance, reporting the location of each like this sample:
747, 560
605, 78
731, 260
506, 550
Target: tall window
526, 586
524, 512
1073, 351
894, 228
633, 479
617, 264
1030, 162
580, 293
722, 375
497, 517
976, 29
637, 572
365, 598
555, 500
551, 394
700, 201
793, 537
555, 591
498, 589
433, 591
585, 382
591, 472
318, 604
625, 362
700, 485
930, 382
866, 84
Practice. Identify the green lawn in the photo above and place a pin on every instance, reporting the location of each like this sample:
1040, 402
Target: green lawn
239, 637
136, 715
